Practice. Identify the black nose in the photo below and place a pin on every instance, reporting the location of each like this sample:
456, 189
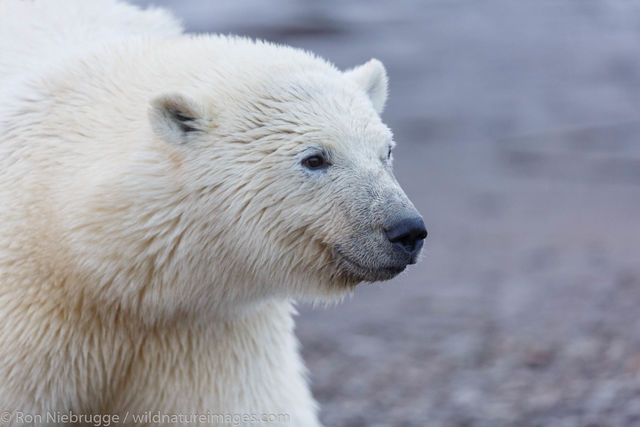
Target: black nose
408, 234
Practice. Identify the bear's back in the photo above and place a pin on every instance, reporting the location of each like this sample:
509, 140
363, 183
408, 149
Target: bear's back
40, 35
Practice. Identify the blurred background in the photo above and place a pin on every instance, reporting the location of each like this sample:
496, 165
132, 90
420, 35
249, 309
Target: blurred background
518, 134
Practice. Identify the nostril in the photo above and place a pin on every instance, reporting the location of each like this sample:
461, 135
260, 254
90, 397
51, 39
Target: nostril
407, 234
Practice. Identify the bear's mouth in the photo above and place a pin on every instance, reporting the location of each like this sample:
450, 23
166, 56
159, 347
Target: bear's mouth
362, 273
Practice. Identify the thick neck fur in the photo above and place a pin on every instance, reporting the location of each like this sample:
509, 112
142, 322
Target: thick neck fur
94, 361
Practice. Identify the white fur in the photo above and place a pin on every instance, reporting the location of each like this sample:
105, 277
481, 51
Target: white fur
145, 269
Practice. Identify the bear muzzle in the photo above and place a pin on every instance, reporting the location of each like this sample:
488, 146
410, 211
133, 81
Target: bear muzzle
397, 246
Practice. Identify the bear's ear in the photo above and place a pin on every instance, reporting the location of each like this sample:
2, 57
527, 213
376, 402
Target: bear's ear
372, 78
177, 118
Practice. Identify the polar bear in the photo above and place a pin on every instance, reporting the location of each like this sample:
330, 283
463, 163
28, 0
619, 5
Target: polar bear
163, 200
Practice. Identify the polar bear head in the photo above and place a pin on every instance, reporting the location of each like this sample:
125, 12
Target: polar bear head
287, 171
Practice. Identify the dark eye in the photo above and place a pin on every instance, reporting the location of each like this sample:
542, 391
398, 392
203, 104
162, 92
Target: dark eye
389, 154
315, 162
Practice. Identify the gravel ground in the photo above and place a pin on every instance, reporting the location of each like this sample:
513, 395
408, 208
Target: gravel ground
518, 126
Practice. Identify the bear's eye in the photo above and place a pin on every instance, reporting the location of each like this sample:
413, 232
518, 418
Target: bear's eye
389, 154
314, 162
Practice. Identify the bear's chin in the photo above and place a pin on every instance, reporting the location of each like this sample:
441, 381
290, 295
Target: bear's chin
355, 273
